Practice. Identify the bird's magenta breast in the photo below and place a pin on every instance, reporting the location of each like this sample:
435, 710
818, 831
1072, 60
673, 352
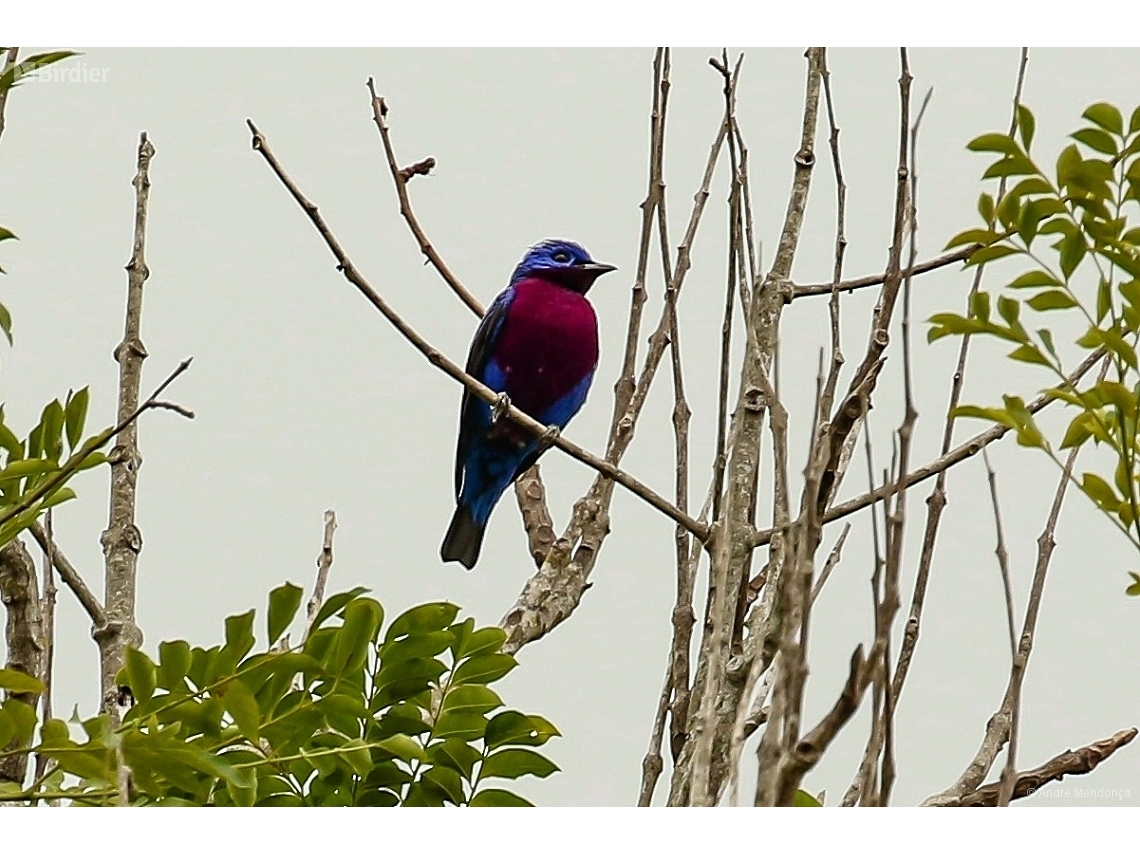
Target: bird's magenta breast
549, 344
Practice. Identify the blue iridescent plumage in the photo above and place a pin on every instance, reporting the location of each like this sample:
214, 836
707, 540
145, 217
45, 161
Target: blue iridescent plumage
537, 344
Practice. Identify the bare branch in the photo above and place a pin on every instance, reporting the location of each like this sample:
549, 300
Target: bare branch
69, 575
47, 624
401, 177
436, 358
1080, 761
324, 565
820, 288
23, 634
552, 594
122, 540
940, 464
530, 492
936, 501
1000, 726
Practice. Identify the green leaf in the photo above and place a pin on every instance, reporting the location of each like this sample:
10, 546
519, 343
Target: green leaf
362, 619
1133, 590
283, 605
1029, 353
484, 669
516, 762
406, 678
429, 617
463, 725
141, 673
76, 416
470, 699
416, 646
1056, 298
1097, 140
454, 754
239, 639
403, 746
1013, 165
993, 414
242, 707
1105, 115
1009, 310
1078, 432
994, 142
1103, 299
1034, 279
498, 798
1025, 126
990, 253
7, 729
971, 236
1028, 434
174, 660
980, 305
986, 207
23, 717
1097, 489
514, 728
805, 799
1073, 250
18, 683
334, 604
1119, 395
5, 320
447, 782
489, 639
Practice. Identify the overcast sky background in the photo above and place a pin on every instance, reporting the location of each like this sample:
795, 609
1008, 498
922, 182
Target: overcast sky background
306, 399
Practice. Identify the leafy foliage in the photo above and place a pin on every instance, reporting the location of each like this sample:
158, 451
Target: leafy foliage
32, 476
1089, 267
353, 716
34, 470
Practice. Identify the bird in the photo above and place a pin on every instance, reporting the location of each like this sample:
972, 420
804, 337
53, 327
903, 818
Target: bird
537, 346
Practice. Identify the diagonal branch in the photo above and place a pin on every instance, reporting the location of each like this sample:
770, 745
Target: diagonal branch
70, 575
530, 492
1079, 761
437, 358
940, 464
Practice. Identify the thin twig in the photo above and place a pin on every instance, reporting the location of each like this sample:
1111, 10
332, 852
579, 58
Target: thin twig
401, 177
1001, 553
436, 358
324, 565
999, 728
69, 575
959, 453
47, 624
821, 288
936, 501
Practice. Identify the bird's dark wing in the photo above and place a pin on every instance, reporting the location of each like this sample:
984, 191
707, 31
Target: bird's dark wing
482, 349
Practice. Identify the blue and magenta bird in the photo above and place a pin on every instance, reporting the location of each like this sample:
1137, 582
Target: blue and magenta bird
538, 346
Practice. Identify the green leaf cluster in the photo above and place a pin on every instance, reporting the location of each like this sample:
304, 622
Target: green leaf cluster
1089, 266
355, 715
28, 465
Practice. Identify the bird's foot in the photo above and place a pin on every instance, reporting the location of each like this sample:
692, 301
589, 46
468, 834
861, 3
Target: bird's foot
500, 407
550, 435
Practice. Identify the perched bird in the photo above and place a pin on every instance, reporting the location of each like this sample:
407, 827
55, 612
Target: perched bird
537, 346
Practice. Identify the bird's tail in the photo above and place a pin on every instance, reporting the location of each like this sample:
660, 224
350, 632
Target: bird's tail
463, 540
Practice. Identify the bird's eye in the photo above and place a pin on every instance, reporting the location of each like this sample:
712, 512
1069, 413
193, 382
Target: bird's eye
562, 256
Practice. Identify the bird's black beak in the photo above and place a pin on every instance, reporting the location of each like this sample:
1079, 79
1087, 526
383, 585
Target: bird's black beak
580, 277
596, 269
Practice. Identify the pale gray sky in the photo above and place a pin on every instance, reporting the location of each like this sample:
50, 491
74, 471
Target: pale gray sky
306, 399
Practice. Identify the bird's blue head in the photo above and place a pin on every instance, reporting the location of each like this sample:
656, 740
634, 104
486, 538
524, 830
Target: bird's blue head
562, 262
